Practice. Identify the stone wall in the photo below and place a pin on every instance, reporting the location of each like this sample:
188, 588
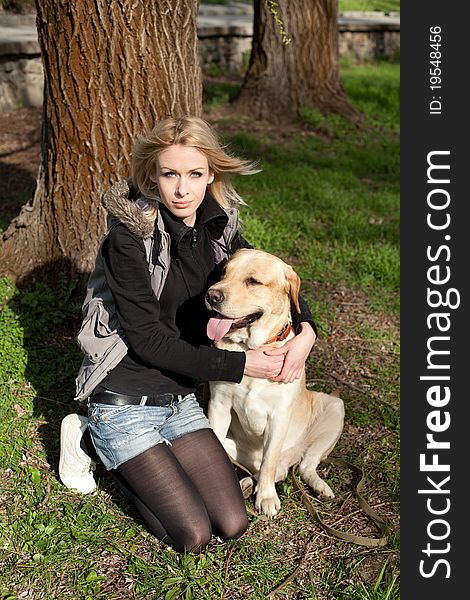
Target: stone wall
21, 76
225, 34
221, 53
21, 82
362, 46
367, 36
230, 53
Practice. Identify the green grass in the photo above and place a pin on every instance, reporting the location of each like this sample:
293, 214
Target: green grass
369, 5
218, 94
327, 201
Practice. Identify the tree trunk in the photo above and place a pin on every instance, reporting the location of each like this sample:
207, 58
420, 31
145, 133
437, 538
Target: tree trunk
111, 70
283, 78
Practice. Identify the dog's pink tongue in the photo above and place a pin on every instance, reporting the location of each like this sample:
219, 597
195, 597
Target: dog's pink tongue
217, 327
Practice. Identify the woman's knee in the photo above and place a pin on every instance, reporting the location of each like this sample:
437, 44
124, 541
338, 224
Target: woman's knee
233, 527
194, 539
197, 538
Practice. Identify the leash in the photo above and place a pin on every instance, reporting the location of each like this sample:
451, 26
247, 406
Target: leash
342, 535
365, 506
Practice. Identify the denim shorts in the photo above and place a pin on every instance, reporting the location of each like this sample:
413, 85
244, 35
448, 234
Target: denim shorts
120, 433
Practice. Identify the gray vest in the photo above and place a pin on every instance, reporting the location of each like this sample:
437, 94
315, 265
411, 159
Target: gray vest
101, 337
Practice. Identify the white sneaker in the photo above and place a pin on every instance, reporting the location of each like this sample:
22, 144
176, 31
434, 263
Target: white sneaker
74, 465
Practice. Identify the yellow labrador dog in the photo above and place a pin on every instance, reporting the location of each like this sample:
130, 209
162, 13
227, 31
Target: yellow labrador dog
267, 426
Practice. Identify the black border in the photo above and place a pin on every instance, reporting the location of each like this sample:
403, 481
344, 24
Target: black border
421, 133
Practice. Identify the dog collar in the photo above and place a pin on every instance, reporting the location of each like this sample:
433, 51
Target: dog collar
281, 335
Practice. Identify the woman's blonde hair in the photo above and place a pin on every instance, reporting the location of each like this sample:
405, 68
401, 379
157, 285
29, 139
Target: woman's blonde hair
197, 133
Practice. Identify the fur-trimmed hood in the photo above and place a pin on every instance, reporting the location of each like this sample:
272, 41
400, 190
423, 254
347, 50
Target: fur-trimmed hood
121, 203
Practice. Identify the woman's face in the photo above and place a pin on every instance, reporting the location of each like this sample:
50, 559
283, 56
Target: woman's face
182, 176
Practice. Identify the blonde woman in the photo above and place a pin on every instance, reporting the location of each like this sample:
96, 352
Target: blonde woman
170, 229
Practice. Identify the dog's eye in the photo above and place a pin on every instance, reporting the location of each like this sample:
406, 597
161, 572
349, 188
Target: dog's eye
252, 281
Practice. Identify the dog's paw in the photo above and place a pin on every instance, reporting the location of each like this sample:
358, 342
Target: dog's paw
247, 485
320, 487
323, 490
268, 505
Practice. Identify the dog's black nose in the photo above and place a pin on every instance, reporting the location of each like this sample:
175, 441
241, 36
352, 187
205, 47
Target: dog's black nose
215, 297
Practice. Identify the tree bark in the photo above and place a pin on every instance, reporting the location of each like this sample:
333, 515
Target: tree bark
304, 73
111, 70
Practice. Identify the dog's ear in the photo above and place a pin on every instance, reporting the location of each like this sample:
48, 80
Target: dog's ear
293, 281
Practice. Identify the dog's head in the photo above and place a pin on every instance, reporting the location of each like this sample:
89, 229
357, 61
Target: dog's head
252, 300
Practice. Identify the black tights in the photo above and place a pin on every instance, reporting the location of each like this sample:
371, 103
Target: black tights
186, 491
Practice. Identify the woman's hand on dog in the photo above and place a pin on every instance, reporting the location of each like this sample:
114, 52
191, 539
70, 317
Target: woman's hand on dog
259, 364
284, 364
295, 353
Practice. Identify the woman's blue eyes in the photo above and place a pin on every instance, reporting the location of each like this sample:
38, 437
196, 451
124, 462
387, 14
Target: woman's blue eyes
172, 174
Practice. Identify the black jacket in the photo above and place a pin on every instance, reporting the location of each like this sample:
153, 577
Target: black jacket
168, 346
